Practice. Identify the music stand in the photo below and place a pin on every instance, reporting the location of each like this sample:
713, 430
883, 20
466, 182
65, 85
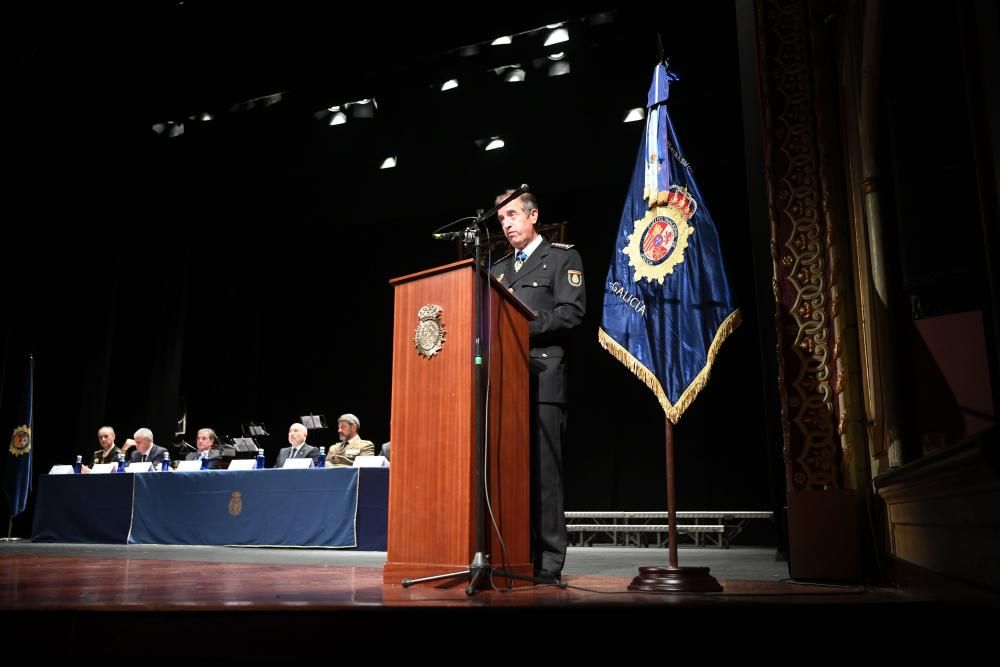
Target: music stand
314, 422
246, 448
254, 430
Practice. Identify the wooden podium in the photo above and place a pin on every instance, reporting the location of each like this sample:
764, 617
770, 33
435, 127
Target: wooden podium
432, 480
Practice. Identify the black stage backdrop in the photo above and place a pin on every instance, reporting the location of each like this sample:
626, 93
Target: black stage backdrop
240, 271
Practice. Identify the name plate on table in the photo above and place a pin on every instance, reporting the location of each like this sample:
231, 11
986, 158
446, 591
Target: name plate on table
141, 466
103, 468
245, 464
61, 470
298, 463
371, 462
188, 466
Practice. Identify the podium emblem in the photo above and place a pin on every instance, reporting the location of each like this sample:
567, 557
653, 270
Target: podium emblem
429, 335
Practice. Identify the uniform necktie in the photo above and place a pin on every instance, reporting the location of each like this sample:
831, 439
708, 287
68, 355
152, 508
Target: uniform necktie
519, 259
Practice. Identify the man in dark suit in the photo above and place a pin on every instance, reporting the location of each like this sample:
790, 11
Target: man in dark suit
548, 278
299, 449
207, 444
145, 450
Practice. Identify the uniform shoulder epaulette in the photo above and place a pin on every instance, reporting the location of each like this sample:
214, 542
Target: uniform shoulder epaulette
564, 246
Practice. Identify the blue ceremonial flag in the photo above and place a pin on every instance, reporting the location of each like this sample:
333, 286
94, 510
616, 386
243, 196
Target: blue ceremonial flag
667, 306
17, 467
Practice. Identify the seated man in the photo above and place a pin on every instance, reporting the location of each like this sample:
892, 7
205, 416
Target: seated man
208, 448
351, 445
384, 451
299, 448
145, 450
108, 453
127, 448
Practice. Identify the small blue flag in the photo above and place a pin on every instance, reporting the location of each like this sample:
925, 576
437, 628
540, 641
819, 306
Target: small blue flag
667, 306
17, 467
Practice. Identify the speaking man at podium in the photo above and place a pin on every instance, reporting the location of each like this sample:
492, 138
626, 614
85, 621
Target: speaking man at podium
548, 278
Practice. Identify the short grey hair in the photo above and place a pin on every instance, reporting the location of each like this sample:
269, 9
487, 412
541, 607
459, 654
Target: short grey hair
143, 433
528, 201
211, 434
350, 419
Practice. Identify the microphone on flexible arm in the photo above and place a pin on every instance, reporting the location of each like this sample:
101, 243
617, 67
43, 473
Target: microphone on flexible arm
514, 194
468, 233
448, 236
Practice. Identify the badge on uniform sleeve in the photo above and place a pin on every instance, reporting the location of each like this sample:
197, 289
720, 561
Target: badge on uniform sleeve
575, 278
500, 278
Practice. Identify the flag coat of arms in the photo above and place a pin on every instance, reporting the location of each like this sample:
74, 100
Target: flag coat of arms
667, 304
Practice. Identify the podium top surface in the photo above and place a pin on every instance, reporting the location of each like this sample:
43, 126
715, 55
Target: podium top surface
457, 266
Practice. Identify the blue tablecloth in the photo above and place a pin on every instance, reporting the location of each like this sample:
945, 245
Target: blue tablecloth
340, 507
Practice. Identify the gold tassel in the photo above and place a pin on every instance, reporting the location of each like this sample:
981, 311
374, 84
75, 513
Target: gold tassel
673, 411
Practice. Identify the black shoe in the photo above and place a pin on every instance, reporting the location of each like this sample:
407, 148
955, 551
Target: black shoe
548, 576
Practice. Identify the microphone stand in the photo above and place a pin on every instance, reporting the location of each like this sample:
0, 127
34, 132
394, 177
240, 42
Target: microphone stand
479, 568
470, 234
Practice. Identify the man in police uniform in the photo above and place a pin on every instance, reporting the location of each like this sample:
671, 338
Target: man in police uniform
548, 278
108, 453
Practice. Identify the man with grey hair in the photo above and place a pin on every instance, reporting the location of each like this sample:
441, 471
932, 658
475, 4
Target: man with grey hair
298, 448
351, 446
548, 278
127, 448
145, 450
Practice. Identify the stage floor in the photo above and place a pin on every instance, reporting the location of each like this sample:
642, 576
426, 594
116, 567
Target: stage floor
82, 591
106, 577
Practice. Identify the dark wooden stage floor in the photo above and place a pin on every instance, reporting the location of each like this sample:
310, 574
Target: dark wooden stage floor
79, 593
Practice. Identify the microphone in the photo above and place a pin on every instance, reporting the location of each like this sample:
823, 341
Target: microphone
448, 236
468, 235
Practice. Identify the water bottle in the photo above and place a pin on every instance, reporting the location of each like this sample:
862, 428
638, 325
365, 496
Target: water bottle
166, 463
260, 459
321, 461
78, 465
121, 463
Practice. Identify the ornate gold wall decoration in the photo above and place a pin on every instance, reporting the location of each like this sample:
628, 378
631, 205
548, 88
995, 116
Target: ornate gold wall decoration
802, 237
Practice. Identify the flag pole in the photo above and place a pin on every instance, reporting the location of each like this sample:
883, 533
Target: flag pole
663, 222
671, 495
10, 530
673, 578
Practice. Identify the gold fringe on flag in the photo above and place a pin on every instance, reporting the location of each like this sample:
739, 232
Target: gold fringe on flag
675, 410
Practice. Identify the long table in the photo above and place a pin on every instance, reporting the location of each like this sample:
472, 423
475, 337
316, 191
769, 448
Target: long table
326, 507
